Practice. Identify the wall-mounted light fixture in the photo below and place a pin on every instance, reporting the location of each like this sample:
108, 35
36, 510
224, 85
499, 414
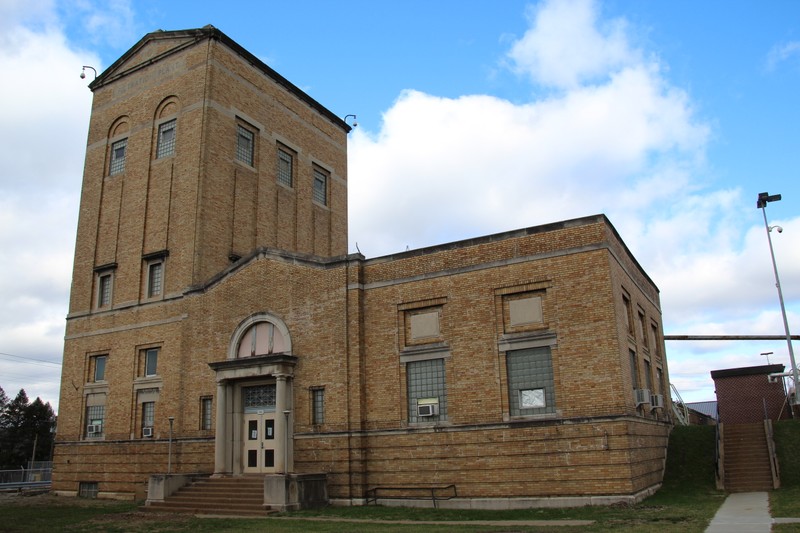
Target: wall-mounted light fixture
83, 72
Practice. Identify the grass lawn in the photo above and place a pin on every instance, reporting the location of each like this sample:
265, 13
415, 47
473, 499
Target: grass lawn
685, 504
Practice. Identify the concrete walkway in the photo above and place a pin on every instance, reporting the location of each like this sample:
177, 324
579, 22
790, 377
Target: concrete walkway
742, 512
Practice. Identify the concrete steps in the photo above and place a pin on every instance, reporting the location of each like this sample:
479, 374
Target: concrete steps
231, 496
747, 462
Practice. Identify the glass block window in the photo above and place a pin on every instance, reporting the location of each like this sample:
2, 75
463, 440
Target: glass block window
317, 406
95, 417
155, 278
88, 489
148, 414
166, 139
426, 381
151, 362
244, 145
260, 397
285, 168
320, 193
118, 150
531, 389
99, 364
205, 412
104, 290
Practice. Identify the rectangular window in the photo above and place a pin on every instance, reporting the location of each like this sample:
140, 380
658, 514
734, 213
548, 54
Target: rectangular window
148, 414
244, 145
285, 168
87, 489
642, 328
634, 369
166, 139
426, 387
654, 339
118, 149
99, 368
320, 193
95, 417
648, 378
205, 412
626, 304
660, 380
317, 406
531, 387
155, 276
104, 290
150, 362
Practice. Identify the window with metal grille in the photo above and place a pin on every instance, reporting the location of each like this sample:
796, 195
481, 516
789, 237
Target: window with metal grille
148, 414
320, 193
95, 417
87, 489
318, 406
166, 139
259, 397
104, 290
285, 168
426, 381
205, 412
155, 275
118, 150
244, 145
531, 389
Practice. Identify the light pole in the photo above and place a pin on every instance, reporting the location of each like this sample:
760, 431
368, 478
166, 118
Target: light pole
763, 199
286, 413
169, 458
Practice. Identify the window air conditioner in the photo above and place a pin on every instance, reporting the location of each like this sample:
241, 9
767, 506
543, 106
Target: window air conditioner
428, 409
657, 401
94, 428
642, 396
147, 432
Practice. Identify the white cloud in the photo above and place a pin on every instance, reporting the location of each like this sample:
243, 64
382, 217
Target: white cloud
45, 109
617, 138
781, 53
566, 45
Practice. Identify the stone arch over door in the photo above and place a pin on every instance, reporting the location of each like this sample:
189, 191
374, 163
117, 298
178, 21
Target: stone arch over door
265, 332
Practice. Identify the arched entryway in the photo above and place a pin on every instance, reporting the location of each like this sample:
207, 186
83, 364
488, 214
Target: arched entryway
254, 399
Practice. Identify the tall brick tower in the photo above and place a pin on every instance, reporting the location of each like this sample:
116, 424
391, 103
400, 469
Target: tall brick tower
198, 153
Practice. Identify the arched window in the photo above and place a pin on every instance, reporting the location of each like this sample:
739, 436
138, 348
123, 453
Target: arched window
262, 338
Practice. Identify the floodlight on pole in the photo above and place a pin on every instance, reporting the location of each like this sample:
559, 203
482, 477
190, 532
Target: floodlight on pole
763, 199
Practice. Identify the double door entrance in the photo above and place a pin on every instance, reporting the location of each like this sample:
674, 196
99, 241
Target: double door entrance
259, 439
259, 442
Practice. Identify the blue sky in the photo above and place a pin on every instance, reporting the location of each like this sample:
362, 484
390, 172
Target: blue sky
474, 117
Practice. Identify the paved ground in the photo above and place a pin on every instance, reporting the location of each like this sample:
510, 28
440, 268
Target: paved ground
745, 512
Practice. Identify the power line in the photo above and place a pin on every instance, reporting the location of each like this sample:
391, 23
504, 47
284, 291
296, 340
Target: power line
29, 359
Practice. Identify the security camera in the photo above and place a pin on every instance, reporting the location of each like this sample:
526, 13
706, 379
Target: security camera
779, 228
83, 75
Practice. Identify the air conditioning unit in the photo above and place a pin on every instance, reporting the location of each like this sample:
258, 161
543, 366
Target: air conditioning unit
657, 401
147, 432
642, 396
428, 409
94, 428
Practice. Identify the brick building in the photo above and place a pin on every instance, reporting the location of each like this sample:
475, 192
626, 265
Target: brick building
212, 293
747, 395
